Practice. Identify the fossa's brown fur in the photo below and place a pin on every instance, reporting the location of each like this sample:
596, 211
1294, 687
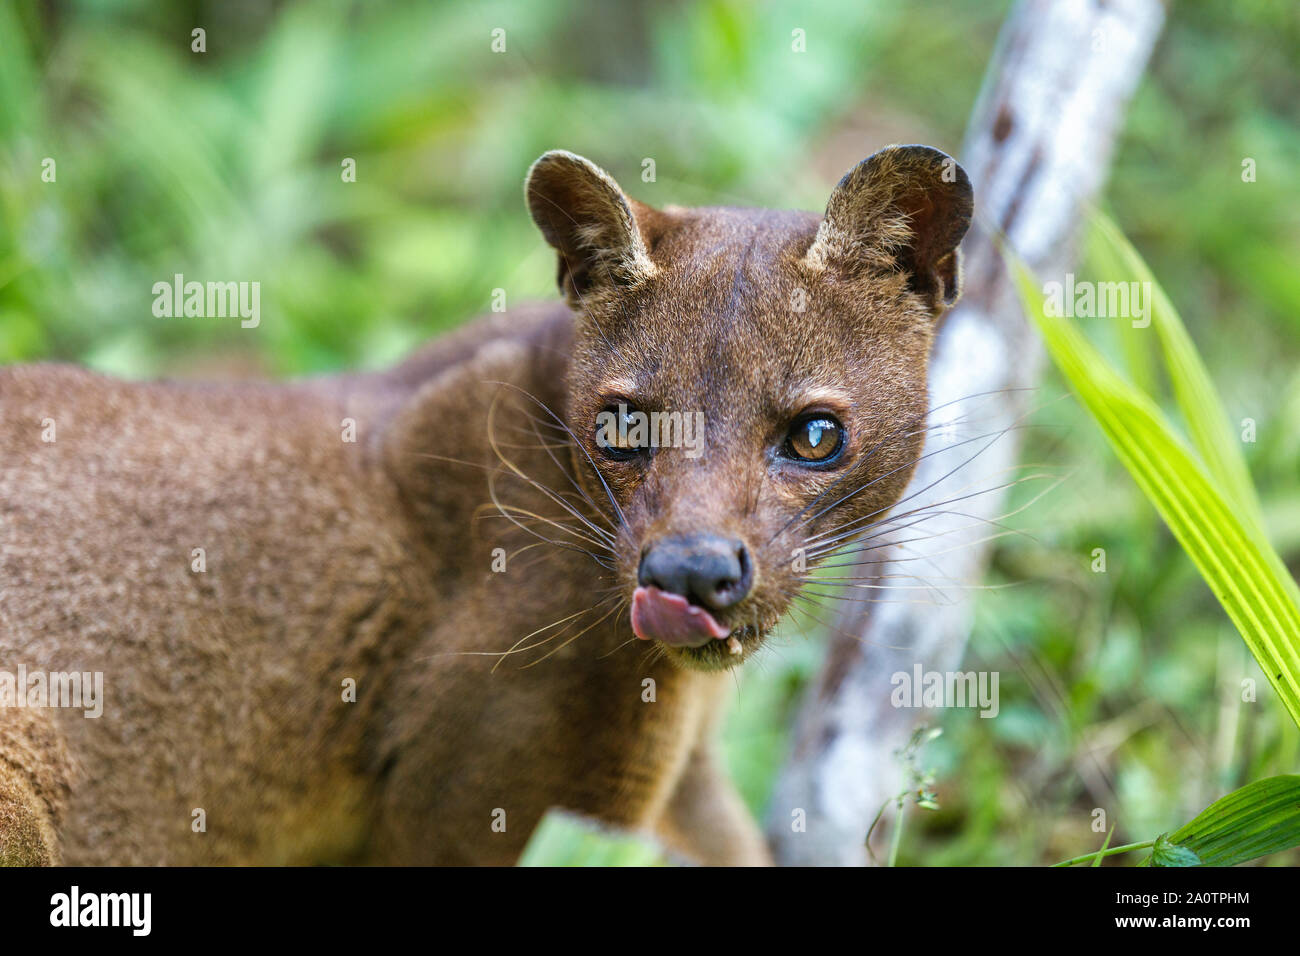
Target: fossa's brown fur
373, 560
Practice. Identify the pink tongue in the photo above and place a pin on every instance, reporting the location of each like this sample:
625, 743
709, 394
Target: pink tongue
664, 616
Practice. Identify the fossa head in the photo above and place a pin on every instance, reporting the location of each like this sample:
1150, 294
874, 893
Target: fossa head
748, 386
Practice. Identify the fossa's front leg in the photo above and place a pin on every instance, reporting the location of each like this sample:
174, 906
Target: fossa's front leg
707, 821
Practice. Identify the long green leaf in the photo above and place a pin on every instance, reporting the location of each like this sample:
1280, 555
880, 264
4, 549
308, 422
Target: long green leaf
1242, 569
1260, 818
1138, 346
1198, 399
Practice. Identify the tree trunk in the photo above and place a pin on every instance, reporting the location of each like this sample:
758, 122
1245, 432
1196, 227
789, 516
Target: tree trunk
1037, 150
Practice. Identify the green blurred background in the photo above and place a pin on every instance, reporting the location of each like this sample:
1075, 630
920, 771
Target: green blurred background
1119, 690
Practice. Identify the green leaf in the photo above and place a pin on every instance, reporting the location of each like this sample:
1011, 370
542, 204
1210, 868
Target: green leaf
1198, 400
1238, 563
566, 839
1138, 346
1260, 818
1168, 853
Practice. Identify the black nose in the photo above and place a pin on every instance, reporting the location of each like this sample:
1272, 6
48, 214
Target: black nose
708, 570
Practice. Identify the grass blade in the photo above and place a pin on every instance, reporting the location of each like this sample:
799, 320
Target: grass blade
1198, 399
1242, 569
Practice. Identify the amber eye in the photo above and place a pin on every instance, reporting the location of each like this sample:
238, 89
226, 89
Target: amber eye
816, 438
619, 433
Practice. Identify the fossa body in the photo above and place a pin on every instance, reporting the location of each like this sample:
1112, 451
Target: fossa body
406, 647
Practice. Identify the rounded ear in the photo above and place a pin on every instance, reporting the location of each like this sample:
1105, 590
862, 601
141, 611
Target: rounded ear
905, 207
585, 217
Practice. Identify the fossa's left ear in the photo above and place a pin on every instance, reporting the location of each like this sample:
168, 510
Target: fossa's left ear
907, 207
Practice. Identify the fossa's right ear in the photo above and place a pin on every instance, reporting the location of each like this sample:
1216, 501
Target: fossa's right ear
588, 220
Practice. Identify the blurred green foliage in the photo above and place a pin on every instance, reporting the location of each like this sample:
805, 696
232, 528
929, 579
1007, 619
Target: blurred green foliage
566, 839
1119, 690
